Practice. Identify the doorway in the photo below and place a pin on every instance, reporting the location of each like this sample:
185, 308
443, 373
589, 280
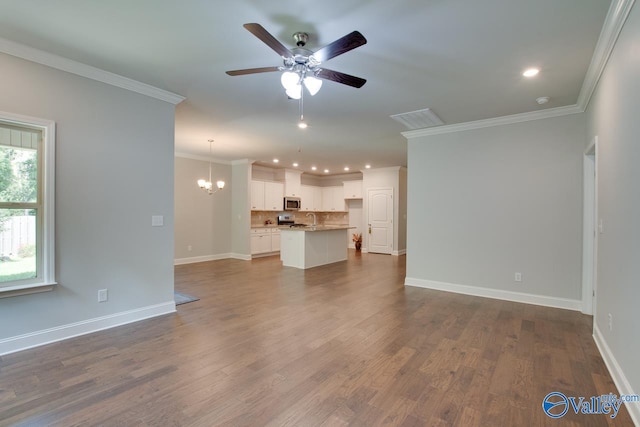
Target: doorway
590, 228
380, 220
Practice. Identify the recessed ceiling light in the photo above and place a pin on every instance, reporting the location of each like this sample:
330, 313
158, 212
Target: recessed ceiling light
295, 165
275, 160
346, 168
326, 171
367, 166
531, 72
313, 168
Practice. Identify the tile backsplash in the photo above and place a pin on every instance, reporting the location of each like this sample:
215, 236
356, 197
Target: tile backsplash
259, 218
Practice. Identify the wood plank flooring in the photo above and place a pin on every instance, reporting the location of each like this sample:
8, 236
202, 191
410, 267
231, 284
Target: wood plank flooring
339, 345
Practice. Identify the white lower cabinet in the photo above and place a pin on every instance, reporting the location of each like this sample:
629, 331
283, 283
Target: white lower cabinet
275, 240
265, 240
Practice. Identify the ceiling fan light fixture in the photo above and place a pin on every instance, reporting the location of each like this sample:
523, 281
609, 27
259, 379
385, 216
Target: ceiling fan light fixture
295, 92
313, 84
302, 124
290, 80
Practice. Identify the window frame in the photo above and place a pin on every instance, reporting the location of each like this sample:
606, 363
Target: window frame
45, 221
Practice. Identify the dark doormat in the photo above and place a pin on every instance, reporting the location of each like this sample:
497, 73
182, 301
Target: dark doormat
181, 298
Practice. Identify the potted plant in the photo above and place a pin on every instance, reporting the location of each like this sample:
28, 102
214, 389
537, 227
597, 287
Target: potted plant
357, 239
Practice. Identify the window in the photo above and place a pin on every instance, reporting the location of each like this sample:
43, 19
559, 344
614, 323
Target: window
26, 205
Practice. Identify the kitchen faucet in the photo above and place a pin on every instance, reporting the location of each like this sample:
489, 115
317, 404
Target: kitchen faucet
314, 218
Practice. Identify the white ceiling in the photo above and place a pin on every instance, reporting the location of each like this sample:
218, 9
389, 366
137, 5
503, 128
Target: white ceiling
461, 58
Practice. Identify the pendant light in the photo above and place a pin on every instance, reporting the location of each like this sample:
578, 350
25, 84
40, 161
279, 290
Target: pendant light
208, 185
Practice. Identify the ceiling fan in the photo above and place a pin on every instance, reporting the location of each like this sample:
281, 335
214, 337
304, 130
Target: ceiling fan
302, 66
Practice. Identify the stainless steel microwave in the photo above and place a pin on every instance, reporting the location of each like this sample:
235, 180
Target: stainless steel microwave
291, 203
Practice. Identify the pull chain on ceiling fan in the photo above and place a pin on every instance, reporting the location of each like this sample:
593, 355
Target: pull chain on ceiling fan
302, 67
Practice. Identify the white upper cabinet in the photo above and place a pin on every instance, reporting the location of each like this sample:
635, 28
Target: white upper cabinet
257, 195
317, 198
292, 186
352, 189
333, 199
306, 198
273, 196
267, 196
311, 198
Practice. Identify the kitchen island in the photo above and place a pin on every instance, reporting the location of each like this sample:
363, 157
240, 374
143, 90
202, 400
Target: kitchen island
312, 246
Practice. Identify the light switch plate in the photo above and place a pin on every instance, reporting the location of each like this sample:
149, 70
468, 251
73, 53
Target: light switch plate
157, 220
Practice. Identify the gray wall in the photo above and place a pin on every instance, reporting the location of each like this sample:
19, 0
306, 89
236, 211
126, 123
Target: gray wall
114, 170
201, 220
241, 209
486, 203
401, 219
613, 117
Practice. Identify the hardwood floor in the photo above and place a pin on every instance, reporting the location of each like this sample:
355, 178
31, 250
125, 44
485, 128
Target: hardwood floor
345, 344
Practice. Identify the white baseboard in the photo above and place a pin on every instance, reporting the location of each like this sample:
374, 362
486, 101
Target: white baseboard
617, 375
242, 257
265, 254
59, 333
192, 260
568, 304
400, 252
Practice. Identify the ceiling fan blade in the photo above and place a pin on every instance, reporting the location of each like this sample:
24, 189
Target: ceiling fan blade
340, 46
338, 77
259, 31
252, 71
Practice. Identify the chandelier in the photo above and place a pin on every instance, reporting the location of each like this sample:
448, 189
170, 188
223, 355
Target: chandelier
208, 185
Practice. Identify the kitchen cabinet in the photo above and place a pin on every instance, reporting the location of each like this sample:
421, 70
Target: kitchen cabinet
306, 198
275, 240
265, 240
333, 199
257, 195
352, 189
273, 196
267, 196
303, 248
311, 198
292, 186
317, 198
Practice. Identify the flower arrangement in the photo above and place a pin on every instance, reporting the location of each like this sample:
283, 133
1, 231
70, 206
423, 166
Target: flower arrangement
357, 239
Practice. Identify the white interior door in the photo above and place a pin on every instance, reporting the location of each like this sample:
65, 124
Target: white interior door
380, 220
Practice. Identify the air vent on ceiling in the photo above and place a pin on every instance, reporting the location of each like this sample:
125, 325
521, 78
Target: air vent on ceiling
418, 119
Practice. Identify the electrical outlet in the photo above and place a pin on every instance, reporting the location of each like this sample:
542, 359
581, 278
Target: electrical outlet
103, 295
518, 277
610, 322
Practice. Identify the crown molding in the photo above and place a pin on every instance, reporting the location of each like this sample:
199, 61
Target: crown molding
496, 121
616, 17
242, 162
202, 158
83, 70
614, 22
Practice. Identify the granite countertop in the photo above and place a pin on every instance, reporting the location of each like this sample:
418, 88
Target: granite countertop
318, 227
